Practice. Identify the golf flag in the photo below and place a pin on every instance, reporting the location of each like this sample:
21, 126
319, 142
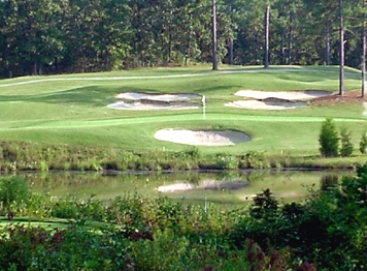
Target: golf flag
203, 99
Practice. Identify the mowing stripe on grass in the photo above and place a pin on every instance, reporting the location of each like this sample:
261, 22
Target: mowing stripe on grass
209, 73
158, 119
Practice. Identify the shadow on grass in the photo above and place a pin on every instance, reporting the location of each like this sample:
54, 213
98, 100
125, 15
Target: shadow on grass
92, 95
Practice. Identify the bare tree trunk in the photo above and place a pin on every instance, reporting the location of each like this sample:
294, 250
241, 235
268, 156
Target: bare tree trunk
35, 69
231, 40
214, 34
328, 40
282, 49
341, 51
290, 38
170, 38
169, 48
363, 64
267, 19
231, 52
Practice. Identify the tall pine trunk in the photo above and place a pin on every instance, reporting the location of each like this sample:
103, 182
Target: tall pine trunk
214, 35
267, 19
328, 40
363, 64
290, 38
230, 49
282, 50
341, 51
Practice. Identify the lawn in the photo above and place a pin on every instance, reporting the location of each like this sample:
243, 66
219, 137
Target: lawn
72, 109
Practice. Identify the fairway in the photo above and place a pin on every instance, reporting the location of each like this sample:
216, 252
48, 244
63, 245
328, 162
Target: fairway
72, 109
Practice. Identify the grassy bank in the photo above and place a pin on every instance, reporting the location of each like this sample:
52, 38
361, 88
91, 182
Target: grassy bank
17, 156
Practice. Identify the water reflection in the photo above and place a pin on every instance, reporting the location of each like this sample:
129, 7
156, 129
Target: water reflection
224, 187
203, 185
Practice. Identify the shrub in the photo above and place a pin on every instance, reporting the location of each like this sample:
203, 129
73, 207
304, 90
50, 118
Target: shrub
192, 152
264, 205
168, 214
328, 139
65, 208
13, 190
329, 182
346, 148
363, 143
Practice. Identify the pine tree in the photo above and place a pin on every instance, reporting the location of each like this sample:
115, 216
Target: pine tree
363, 143
346, 148
329, 139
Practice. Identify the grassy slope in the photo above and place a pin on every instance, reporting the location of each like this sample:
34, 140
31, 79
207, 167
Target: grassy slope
71, 109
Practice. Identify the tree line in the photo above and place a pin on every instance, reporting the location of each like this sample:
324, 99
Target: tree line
64, 36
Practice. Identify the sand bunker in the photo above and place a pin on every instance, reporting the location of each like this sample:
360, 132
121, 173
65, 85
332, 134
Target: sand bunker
275, 100
202, 138
203, 185
263, 105
148, 106
145, 101
134, 96
286, 95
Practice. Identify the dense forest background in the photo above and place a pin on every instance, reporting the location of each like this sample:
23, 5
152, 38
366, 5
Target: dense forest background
64, 36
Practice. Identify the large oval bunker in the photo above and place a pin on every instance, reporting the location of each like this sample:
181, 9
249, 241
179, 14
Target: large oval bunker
202, 137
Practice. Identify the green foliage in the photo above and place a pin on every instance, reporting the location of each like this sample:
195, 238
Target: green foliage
171, 248
62, 35
254, 159
135, 233
329, 139
363, 143
331, 222
264, 206
329, 182
13, 190
65, 208
226, 161
131, 213
192, 152
168, 214
346, 148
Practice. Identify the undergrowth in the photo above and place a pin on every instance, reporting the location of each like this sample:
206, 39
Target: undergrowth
17, 156
325, 232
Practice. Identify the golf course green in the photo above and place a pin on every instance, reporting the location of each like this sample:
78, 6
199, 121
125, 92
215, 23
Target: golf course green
72, 109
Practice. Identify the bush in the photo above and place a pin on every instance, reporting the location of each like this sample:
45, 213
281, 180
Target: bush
264, 206
346, 148
328, 139
363, 143
329, 182
13, 190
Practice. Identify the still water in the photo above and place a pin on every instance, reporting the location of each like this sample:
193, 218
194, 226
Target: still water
221, 187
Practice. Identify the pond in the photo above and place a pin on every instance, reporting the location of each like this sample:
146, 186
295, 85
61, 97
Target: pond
223, 187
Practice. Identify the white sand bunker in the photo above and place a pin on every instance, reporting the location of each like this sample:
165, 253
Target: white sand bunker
157, 97
202, 138
275, 100
145, 101
286, 95
266, 105
203, 185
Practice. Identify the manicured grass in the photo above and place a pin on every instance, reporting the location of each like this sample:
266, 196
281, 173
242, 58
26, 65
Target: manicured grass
71, 109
